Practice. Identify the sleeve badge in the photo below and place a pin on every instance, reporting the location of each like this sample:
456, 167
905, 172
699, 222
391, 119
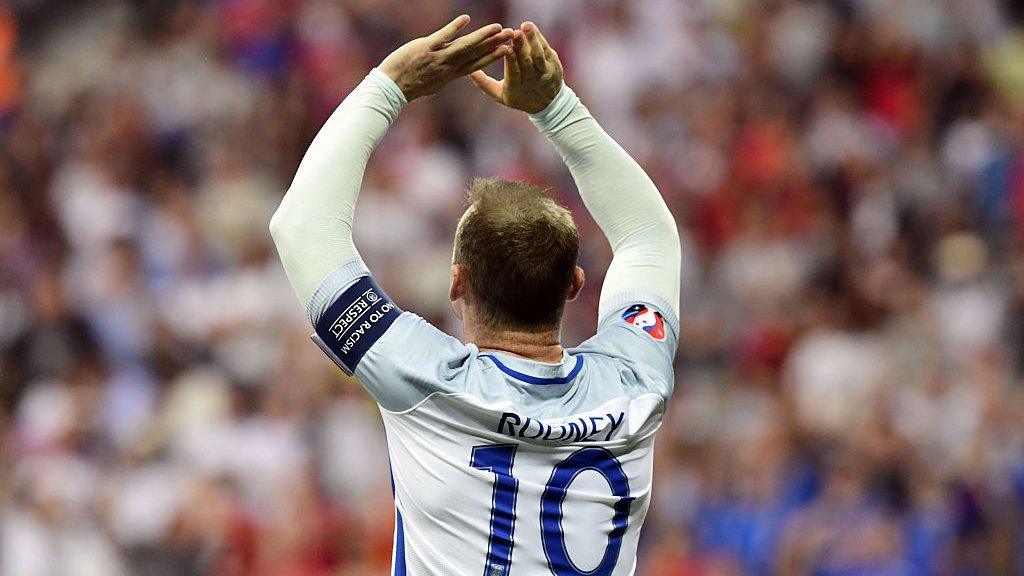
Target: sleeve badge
650, 321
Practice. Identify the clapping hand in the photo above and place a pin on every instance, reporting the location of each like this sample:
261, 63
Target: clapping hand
423, 66
533, 73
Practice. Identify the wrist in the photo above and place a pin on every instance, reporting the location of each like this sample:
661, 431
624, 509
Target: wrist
546, 105
387, 84
397, 79
556, 110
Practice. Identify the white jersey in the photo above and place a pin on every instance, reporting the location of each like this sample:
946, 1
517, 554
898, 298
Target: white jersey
503, 466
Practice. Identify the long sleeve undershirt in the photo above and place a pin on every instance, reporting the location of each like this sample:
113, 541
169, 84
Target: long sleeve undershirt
623, 201
312, 228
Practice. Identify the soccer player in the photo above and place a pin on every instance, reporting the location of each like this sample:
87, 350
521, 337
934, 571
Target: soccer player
510, 455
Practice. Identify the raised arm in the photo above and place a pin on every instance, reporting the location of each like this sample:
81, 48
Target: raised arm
617, 192
312, 227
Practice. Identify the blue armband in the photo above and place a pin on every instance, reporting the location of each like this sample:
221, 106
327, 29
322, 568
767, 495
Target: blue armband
351, 325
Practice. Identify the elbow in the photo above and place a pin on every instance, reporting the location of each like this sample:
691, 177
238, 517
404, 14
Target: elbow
668, 234
284, 227
672, 233
667, 227
277, 226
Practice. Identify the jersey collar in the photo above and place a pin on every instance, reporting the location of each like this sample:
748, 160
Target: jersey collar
539, 373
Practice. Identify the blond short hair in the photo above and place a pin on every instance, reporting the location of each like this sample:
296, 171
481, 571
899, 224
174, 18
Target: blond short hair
518, 248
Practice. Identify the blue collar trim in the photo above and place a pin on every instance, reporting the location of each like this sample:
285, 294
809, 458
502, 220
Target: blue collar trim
534, 379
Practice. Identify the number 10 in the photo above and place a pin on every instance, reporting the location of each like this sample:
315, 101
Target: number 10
499, 459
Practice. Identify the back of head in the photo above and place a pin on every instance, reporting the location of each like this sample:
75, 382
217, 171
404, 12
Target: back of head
517, 247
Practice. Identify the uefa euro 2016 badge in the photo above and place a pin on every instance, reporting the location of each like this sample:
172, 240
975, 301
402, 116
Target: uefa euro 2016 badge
648, 320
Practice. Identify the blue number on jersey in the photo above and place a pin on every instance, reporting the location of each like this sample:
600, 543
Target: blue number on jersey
601, 461
499, 459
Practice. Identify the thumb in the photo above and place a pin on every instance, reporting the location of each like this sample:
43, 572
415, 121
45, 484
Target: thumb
487, 85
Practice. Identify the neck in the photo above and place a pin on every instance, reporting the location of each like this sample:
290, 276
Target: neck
541, 346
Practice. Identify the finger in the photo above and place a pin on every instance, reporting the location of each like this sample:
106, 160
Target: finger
487, 85
470, 40
485, 60
545, 45
450, 30
549, 52
483, 49
512, 72
524, 56
554, 65
536, 48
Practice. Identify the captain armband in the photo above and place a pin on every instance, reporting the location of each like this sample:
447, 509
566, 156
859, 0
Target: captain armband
354, 322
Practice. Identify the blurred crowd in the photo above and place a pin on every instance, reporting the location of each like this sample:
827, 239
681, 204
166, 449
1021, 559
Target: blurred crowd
848, 178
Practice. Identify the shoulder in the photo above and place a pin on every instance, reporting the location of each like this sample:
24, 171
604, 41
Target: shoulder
638, 336
397, 356
417, 345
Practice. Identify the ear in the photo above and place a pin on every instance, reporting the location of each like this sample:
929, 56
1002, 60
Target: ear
457, 291
578, 279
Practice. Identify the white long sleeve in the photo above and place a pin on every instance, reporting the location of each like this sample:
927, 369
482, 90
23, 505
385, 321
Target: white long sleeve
312, 227
624, 202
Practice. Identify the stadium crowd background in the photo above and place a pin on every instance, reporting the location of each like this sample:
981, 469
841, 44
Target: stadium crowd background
848, 177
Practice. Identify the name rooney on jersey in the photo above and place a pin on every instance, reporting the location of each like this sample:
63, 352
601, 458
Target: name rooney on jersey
583, 429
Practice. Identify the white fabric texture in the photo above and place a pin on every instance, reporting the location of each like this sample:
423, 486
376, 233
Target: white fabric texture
622, 199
